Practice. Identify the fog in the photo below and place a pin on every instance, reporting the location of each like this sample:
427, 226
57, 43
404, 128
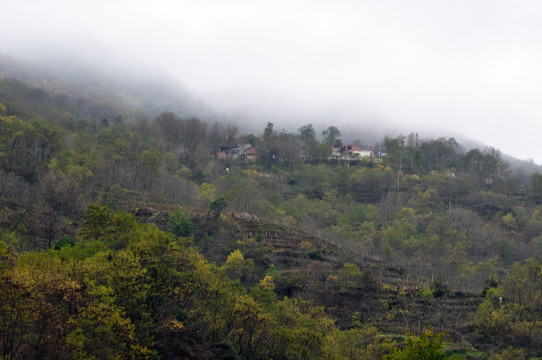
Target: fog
458, 68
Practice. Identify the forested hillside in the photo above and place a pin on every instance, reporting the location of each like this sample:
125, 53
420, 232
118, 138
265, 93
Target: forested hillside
126, 234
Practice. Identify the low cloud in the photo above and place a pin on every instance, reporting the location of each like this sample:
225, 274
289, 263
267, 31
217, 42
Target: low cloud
466, 68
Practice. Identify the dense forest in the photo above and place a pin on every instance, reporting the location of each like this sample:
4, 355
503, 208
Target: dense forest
132, 235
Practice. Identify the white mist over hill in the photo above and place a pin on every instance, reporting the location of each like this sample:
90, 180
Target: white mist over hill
463, 67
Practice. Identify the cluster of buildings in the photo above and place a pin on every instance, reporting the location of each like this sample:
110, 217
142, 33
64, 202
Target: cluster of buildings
239, 152
352, 152
250, 153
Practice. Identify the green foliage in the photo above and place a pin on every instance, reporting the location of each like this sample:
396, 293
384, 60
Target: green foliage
153, 298
216, 207
206, 192
322, 152
180, 223
510, 354
27, 147
319, 254
64, 240
268, 132
440, 154
510, 316
369, 185
235, 264
394, 149
97, 219
352, 278
509, 221
428, 346
112, 228
307, 133
316, 180
331, 134
536, 187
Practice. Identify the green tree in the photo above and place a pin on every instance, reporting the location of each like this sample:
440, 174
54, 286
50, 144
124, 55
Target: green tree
234, 265
394, 149
216, 207
331, 134
428, 346
27, 147
307, 134
180, 223
535, 188
510, 354
322, 152
510, 315
351, 277
268, 132
150, 162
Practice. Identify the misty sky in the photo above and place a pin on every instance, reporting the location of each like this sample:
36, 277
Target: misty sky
469, 67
